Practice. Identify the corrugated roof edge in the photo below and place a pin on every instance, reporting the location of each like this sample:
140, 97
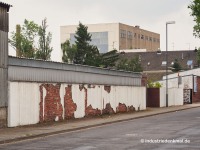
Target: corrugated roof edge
2, 4
106, 69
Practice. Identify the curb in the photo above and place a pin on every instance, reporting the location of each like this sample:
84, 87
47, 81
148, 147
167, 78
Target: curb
31, 137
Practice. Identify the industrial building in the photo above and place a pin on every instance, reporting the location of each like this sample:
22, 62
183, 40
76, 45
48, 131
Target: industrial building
109, 36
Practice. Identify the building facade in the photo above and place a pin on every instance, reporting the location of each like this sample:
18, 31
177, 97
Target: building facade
115, 36
4, 29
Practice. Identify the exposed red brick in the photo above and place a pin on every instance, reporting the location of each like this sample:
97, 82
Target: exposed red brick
196, 95
92, 112
144, 80
108, 109
107, 88
69, 105
52, 103
131, 108
122, 108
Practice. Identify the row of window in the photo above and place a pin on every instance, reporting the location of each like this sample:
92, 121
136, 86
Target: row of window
140, 36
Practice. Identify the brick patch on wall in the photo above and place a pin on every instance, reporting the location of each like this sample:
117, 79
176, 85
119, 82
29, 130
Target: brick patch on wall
69, 105
108, 109
122, 108
131, 108
107, 88
89, 111
196, 95
53, 109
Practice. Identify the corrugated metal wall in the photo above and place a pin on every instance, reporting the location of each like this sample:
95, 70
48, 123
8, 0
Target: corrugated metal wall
175, 97
42, 71
25, 100
3, 56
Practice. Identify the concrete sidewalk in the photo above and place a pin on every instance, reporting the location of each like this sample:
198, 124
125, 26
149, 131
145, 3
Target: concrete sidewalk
8, 135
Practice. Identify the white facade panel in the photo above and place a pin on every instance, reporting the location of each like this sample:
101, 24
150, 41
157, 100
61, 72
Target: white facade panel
175, 97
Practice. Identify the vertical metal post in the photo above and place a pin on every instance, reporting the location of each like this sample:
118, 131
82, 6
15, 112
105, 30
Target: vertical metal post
169, 22
166, 56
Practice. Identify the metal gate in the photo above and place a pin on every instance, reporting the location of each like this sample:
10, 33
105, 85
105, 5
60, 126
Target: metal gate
187, 96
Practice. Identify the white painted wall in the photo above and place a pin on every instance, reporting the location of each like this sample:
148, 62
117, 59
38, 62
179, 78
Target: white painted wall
23, 103
175, 96
187, 79
24, 99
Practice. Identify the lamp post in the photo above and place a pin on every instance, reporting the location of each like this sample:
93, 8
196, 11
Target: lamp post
169, 22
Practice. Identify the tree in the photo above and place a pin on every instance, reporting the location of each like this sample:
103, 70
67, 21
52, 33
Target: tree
82, 43
44, 50
130, 65
176, 66
23, 39
109, 59
195, 8
68, 52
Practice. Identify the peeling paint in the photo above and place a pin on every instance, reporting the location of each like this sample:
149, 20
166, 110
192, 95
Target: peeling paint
107, 88
89, 111
108, 109
121, 108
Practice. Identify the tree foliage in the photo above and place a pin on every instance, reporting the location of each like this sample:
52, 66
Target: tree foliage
151, 84
109, 59
130, 65
68, 52
176, 66
198, 57
23, 39
82, 43
195, 12
44, 49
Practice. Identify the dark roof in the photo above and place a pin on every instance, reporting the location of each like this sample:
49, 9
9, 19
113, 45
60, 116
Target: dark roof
7, 6
153, 60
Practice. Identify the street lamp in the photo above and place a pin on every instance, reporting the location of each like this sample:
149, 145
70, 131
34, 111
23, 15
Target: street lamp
169, 22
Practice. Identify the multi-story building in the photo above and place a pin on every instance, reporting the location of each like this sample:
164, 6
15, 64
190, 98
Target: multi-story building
118, 36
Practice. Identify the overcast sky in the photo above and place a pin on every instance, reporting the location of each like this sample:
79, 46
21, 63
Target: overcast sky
148, 14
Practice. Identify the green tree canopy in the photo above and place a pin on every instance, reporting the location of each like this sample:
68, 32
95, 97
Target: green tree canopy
195, 12
130, 65
23, 40
109, 59
82, 43
68, 52
44, 49
176, 66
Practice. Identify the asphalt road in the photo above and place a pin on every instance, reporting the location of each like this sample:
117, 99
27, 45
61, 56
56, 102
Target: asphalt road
177, 130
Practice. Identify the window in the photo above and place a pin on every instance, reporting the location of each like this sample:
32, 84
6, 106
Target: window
146, 37
135, 35
142, 36
154, 39
150, 38
164, 63
123, 33
129, 35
